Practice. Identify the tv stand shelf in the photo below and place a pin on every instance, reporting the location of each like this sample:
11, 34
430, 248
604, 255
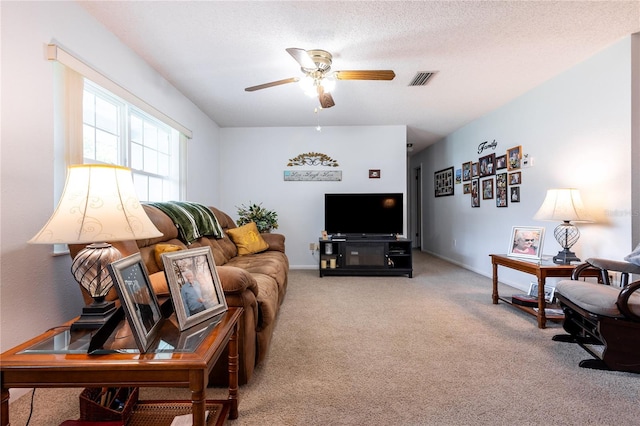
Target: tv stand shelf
365, 256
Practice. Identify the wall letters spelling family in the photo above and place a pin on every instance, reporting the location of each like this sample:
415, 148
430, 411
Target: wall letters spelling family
486, 145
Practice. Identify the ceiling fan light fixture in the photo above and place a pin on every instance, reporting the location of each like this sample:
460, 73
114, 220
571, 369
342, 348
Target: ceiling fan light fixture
308, 86
329, 83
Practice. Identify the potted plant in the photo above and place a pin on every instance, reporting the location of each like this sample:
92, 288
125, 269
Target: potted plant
265, 220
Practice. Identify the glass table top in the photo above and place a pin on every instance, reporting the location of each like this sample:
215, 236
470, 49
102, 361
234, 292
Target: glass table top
169, 340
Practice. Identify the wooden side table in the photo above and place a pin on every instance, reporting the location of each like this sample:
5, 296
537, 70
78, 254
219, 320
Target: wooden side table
542, 270
58, 359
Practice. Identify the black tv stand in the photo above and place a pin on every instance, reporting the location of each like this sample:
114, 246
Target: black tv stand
365, 255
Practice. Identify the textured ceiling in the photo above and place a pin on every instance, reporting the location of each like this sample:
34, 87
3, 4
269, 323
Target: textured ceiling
485, 54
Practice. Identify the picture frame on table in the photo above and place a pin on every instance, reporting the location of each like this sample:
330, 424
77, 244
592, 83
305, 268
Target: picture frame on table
549, 292
138, 299
194, 284
526, 242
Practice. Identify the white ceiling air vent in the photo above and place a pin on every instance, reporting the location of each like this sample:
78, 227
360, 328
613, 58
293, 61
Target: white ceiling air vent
422, 78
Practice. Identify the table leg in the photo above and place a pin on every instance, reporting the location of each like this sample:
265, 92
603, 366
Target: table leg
4, 414
494, 294
542, 318
198, 405
233, 374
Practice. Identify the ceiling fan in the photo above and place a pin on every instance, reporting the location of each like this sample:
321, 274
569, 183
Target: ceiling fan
316, 66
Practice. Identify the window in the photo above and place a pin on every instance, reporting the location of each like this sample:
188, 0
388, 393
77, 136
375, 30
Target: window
116, 132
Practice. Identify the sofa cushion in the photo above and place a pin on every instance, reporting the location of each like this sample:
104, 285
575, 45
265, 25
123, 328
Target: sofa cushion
161, 248
159, 284
248, 239
596, 298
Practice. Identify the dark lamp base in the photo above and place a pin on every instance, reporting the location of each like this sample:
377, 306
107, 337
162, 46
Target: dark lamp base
565, 257
94, 316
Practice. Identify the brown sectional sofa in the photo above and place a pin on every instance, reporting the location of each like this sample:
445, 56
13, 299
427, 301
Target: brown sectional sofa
257, 282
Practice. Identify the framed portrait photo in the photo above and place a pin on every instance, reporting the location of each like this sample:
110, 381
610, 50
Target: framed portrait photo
514, 157
487, 165
475, 193
194, 285
487, 189
137, 298
501, 162
466, 171
526, 242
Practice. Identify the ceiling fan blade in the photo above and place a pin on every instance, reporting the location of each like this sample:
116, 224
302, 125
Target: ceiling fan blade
273, 83
365, 75
302, 57
325, 98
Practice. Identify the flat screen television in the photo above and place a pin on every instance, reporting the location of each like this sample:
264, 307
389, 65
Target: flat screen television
374, 214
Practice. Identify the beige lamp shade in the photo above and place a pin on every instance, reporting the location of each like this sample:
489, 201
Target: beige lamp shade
98, 204
563, 205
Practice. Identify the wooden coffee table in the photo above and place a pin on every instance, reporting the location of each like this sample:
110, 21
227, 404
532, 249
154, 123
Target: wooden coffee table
58, 359
542, 270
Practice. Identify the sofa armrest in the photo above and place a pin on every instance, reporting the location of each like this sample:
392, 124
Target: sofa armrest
236, 280
630, 312
275, 241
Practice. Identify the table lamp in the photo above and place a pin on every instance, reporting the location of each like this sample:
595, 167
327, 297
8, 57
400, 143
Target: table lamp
98, 204
564, 205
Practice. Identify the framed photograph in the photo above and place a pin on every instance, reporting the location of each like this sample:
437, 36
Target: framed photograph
514, 157
501, 162
137, 298
466, 171
549, 292
474, 170
515, 194
443, 182
374, 173
487, 165
487, 189
466, 188
194, 285
458, 175
501, 196
526, 242
515, 178
475, 193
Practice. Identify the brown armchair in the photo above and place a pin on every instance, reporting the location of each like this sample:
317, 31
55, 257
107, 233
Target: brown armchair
602, 318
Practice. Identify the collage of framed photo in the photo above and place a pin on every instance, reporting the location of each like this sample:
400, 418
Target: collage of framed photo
479, 181
443, 182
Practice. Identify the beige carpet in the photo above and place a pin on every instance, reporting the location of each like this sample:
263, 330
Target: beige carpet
432, 350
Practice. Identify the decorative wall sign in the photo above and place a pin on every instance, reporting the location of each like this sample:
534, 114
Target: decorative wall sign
312, 175
312, 159
443, 182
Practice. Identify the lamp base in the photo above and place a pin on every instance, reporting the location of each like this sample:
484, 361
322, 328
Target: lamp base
94, 316
565, 257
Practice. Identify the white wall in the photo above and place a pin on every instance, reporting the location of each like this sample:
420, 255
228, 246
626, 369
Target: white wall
253, 161
37, 290
577, 127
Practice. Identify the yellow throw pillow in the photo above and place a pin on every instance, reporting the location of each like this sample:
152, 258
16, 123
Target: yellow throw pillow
247, 239
164, 248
